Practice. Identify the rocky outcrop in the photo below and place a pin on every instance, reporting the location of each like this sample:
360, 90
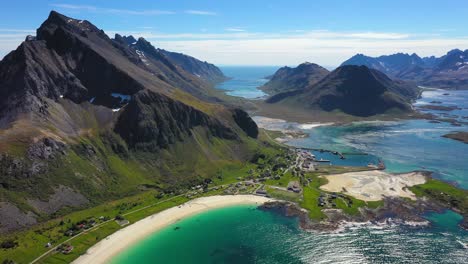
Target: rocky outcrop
12, 217
62, 196
46, 148
36, 162
152, 121
246, 123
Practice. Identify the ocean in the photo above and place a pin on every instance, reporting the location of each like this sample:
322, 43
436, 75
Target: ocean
244, 234
245, 80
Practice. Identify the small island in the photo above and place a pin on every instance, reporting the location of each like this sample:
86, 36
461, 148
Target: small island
460, 136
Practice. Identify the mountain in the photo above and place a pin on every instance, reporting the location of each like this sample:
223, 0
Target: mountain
85, 118
201, 69
286, 78
388, 64
354, 90
448, 71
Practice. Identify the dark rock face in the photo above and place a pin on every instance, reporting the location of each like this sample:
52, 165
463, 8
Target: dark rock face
62, 62
152, 121
244, 121
288, 79
355, 90
448, 71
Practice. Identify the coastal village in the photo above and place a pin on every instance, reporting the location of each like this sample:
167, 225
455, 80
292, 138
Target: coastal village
283, 176
290, 174
295, 175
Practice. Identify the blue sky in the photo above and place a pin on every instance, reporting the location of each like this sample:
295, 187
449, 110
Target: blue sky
258, 32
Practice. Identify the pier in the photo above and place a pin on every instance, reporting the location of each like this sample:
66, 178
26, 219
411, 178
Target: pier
323, 150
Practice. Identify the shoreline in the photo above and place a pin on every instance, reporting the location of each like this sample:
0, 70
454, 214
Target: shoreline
374, 185
109, 247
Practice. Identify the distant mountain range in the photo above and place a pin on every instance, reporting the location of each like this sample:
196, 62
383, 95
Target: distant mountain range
449, 71
354, 90
85, 118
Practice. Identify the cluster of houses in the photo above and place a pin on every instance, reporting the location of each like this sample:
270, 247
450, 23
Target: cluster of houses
261, 192
240, 187
80, 226
65, 248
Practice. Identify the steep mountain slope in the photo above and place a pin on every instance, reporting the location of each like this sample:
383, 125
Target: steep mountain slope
202, 69
158, 63
354, 90
85, 118
287, 79
448, 71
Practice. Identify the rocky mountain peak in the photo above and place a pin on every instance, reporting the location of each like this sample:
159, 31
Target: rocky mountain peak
126, 40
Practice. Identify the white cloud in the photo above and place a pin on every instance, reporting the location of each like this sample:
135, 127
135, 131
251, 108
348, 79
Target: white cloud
328, 48
294, 50
373, 35
76, 7
180, 36
200, 12
95, 9
235, 29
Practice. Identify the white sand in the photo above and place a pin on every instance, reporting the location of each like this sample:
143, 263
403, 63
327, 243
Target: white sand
374, 185
103, 251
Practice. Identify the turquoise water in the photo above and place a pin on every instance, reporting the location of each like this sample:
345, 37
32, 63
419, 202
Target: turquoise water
238, 234
245, 80
244, 234
403, 146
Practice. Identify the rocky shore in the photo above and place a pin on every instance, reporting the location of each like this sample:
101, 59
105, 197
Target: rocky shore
394, 211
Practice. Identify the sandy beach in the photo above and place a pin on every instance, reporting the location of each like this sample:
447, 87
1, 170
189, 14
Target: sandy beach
103, 251
374, 185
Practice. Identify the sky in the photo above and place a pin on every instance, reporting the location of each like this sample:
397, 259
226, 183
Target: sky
259, 32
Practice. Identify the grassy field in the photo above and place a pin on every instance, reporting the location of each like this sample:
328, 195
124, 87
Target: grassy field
445, 193
284, 195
